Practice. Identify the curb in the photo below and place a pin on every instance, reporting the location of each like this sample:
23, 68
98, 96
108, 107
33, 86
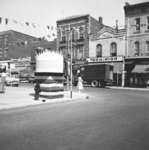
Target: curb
128, 88
41, 101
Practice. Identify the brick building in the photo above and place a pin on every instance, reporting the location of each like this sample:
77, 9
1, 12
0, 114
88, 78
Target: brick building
137, 43
14, 45
78, 29
18, 48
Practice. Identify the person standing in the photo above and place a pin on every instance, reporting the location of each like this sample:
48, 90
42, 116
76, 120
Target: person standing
80, 83
37, 90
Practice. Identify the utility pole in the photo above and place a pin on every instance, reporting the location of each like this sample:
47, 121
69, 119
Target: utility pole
123, 72
70, 63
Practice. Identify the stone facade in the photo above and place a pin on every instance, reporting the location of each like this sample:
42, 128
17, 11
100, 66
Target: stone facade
108, 46
104, 39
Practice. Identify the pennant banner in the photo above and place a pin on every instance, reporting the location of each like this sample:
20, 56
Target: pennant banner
48, 31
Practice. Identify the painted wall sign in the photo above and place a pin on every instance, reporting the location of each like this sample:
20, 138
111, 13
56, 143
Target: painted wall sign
105, 59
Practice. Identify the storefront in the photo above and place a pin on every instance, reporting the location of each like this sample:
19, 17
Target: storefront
137, 71
116, 62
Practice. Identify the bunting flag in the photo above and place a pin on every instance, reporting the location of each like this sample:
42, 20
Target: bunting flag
34, 26
51, 27
48, 27
53, 34
21, 23
6, 21
14, 21
48, 31
27, 23
48, 36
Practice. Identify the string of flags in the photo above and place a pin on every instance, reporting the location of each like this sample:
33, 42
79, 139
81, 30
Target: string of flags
49, 30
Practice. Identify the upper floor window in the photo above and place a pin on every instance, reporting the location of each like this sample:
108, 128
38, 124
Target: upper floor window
63, 35
147, 46
62, 50
1, 43
113, 49
81, 32
137, 48
73, 35
80, 52
99, 50
147, 21
6, 41
137, 24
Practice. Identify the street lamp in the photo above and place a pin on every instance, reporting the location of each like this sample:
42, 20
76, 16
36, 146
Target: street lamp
123, 72
70, 31
70, 49
70, 36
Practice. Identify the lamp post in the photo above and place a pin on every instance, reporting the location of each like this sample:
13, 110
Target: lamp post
70, 35
123, 73
71, 57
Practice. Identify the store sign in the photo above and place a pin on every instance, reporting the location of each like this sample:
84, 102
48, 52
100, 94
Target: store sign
105, 59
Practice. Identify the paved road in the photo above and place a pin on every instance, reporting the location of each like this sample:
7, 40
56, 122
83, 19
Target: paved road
109, 120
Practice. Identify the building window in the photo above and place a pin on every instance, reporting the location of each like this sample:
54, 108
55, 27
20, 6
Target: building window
99, 50
63, 35
73, 35
137, 48
6, 41
147, 47
137, 24
63, 51
147, 22
1, 52
81, 32
1, 43
78, 54
5, 52
113, 49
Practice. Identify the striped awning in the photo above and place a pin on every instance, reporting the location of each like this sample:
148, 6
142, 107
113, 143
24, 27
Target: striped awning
141, 69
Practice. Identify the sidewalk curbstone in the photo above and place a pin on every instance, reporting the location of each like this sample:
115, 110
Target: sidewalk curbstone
128, 88
22, 97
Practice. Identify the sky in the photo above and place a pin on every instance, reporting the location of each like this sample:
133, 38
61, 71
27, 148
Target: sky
47, 12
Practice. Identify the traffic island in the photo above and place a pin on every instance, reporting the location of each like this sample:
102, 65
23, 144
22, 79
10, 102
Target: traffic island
19, 97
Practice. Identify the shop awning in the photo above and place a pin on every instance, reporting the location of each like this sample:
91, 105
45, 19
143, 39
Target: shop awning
141, 69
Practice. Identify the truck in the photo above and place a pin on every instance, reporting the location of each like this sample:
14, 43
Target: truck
96, 74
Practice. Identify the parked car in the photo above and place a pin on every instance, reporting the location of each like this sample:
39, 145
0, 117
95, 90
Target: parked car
12, 79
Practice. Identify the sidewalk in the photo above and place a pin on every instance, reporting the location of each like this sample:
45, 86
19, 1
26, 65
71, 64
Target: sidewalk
21, 96
128, 88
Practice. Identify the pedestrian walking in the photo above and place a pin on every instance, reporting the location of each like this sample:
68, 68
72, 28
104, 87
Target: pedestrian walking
3, 82
80, 83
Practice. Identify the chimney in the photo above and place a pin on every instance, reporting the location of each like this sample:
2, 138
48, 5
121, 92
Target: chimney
100, 20
116, 27
127, 4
